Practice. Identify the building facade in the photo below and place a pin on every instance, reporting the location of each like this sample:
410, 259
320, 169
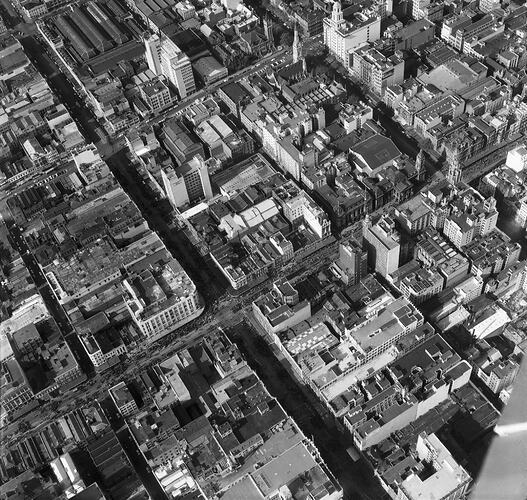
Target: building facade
341, 36
375, 70
383, 246
164, 57
187, 183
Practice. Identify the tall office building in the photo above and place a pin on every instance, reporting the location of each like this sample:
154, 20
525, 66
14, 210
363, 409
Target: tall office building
161, 297
420, 165
353, 260
153, 53
164, 57
427, 9
489, 5
187, 184
455, 169
374, 69
382, 242
341, 36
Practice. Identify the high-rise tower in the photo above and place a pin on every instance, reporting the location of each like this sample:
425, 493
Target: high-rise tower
420, 165
454, 172
164, 57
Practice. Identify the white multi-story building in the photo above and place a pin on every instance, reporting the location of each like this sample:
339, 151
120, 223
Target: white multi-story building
462, 227
315, 217
426, 9
297, 204
153, 53
521, 215
489, 5
156, 95
488, 322
447, 479
123, 400
187, 183
375, 70
517, 158
341, 36
382, 242
161, 298
353, 116
459, 229
102, 354
33, 10
164, 57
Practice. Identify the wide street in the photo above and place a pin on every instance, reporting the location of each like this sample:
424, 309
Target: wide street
223, 309
300, 402
281, 56
62, 87
133, 453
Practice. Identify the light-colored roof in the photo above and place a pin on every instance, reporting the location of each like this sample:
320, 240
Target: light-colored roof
284, 469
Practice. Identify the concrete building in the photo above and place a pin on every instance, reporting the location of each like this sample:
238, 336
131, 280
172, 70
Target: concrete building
101, 341
123, 399
420, 285
16, 392
382, 242
222, 141
353, 116
491, 253
414, 215
310, 22
164, 57
498, 375
210, 70
160, 296
33, 10
431, 10
281, 308
459, 229
413, 36
489, 5
341, 36
521, 215
102, 353
156, 95
352, 261
488, 322
458, 29
374, 154
153, 53
179, 143
188, 183
375, 70
517, 158
496, 371
448, 480
420, 380
447, 107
